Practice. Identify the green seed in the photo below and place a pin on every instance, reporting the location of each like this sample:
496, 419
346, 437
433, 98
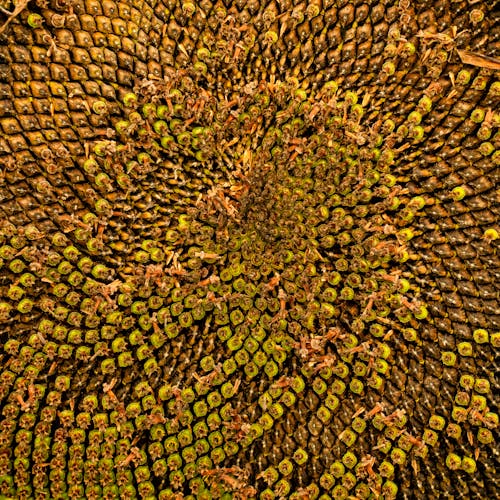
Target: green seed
389, 490
448, 358
465, 349
349, 460
285, 467
25, 306
485, 436
477, 116
398, 456
130, 99
348, 437
453, 461
35, 20
468, 465
430, 437
490, 234
481, 336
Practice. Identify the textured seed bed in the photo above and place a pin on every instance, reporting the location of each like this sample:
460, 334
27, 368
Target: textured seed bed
249, 250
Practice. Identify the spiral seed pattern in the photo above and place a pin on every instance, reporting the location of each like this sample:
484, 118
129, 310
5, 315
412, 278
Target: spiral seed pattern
249, 250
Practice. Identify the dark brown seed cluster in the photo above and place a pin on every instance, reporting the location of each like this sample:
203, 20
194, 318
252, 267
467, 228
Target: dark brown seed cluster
249, 250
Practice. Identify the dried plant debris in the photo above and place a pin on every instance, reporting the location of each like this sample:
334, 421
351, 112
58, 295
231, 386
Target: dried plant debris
475, 59
249, 250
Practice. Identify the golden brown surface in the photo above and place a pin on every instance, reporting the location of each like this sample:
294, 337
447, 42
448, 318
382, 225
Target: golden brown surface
249, 250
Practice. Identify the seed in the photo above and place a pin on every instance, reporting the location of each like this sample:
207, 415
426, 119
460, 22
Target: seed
491, 234
465, 349
480, 336
130, 99
448, 358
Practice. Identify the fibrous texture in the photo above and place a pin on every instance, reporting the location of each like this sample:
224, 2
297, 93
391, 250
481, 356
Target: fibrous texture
249, 250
